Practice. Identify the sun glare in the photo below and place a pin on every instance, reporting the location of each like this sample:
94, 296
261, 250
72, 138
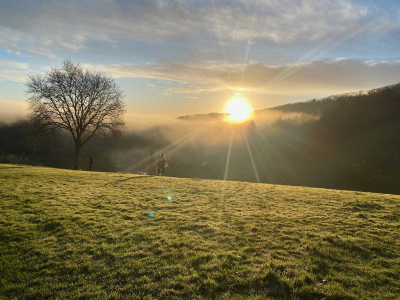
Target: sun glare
238, 110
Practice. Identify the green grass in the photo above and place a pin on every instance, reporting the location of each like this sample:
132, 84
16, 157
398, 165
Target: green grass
72, 234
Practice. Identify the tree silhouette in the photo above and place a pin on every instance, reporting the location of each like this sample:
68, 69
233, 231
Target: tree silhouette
83, 102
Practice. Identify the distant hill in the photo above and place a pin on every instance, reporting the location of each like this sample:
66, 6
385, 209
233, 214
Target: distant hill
203, 117
93, 235
383, 98
381, 104
353, 143
352, 112
349, 141
369, 160
213, 116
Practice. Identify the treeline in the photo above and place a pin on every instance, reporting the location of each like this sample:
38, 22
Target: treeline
378, 105
54, 148
346, 115
203, 117
355, 141
352, 142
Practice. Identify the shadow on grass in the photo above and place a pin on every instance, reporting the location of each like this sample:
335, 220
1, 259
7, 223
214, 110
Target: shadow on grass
16, 167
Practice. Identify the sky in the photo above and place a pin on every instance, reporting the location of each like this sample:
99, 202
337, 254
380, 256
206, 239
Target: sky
175, 58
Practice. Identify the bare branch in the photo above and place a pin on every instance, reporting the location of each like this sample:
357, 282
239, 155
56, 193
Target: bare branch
80, 101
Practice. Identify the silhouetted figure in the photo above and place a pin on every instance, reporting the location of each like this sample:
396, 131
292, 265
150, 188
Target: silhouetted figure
91, 162
161, 164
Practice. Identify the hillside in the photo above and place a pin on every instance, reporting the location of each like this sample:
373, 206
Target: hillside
370, 160
383, 99
348, 141
381, 104
74, 234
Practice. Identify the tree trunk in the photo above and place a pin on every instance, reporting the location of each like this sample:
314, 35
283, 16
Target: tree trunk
78, 147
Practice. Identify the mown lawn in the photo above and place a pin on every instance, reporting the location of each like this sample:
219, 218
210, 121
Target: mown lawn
73, 234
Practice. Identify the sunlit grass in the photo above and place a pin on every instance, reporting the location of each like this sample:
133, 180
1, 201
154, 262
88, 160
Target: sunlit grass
70, 234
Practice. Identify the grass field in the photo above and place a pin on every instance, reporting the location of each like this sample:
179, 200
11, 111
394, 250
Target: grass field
73, 234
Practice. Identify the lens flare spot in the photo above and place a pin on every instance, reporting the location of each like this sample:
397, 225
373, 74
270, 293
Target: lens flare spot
239, 110
169, 197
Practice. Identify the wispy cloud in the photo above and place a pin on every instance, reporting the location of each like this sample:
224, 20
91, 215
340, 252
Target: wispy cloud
20, 42
15, 75
13, 64
283, 21
34, 27
216, 76
14, 71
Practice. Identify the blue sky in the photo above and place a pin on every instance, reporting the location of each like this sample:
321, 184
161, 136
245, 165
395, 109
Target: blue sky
183, 57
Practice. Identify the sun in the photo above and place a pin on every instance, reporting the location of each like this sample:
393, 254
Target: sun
238, 109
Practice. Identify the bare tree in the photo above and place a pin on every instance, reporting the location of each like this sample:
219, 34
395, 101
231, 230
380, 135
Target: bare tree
80, 101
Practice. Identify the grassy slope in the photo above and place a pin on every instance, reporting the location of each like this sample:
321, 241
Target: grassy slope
70, 234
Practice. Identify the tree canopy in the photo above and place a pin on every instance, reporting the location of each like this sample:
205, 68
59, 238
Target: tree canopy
83, 102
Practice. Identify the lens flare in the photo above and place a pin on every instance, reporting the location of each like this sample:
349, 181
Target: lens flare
239, 110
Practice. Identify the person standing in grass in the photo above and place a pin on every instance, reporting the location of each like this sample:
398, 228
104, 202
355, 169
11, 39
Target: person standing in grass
91, 162
161, 164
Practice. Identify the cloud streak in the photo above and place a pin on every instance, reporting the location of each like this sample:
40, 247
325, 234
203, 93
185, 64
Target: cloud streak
14, 71
35, 26
13, 64
319, 76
